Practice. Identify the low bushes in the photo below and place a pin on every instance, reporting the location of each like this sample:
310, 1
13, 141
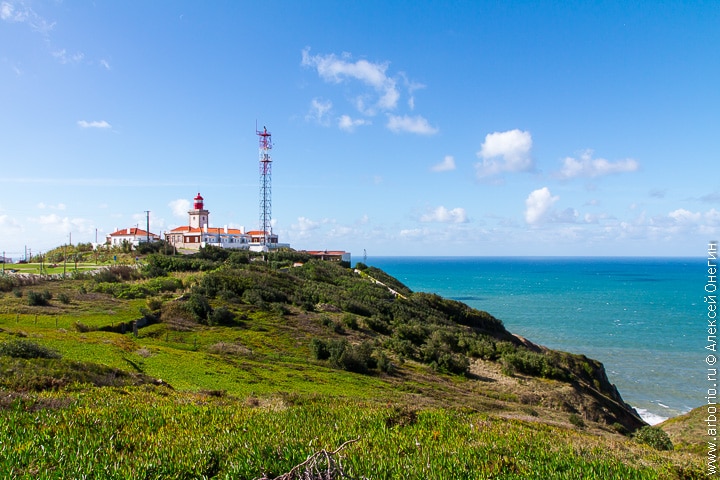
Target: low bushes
39, 299
6, 283
26, 349
655, 437
145, 289
530, 363
342, 354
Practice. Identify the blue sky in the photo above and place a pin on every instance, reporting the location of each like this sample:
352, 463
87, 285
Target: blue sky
400, 128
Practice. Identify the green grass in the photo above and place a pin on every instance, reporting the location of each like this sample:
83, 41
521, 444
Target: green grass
53, 268
148, 432
249, 398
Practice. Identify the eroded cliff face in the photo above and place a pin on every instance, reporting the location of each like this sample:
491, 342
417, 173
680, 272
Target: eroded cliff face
584, 389
602, 400
586, 393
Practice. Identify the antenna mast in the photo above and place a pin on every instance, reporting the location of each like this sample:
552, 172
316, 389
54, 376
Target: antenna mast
265, 145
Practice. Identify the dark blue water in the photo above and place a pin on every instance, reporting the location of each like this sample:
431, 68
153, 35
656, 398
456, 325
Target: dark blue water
644, 318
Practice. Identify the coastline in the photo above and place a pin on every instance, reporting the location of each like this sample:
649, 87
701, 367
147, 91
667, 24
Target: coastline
631, 313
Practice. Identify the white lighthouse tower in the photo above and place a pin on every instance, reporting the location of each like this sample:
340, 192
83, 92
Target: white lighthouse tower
198, 215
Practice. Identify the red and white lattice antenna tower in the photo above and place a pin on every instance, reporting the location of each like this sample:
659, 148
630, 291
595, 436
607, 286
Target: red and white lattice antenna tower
265, 141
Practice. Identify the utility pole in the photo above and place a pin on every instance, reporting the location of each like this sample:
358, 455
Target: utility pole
147, 228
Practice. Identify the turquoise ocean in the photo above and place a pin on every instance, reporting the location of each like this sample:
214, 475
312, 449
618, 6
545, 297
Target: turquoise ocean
644, 318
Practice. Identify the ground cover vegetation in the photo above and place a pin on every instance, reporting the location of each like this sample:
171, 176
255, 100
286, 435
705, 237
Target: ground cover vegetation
239, 365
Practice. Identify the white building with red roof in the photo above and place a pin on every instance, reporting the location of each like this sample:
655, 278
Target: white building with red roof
199, 233
134, 236
330, 255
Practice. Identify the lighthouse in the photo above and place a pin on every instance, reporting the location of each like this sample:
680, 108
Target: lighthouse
198, 215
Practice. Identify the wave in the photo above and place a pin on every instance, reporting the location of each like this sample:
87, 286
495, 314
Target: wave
650, 417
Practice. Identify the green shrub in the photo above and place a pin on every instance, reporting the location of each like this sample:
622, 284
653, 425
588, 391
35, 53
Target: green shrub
38, 299
164, 284
577, 420
222, 316
26, 349
402, 347
199, 306
6, 283
350, 321
343, 355
654, 436
64, 298
530, 363
82, 328
383, 362
319, 349
451, 363
154, 304
378, 324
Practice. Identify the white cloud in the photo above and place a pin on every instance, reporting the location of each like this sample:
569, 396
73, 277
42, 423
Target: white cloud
304, 228
414, 233
61, 225
345, 122
19, 13
341, 231
405, 123
7, 12
105, 64
538, 204
505, 152
63, 57
712, 216
180, 207
304, 224
336, 70
446, 165
443, 215
685, 217
94, 124
59, 206
586, 166
319, 110
9, 225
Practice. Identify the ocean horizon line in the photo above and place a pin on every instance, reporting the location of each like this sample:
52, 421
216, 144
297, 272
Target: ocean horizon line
558, 257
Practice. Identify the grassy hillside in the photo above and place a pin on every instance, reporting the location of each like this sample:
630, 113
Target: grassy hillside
245, 366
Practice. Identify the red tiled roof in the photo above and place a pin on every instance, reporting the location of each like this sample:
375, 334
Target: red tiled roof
325, 252
123, 232
185, 228
213, 230
221, 230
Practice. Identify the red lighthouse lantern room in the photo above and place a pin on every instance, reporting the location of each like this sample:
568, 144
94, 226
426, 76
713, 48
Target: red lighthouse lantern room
198, 202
